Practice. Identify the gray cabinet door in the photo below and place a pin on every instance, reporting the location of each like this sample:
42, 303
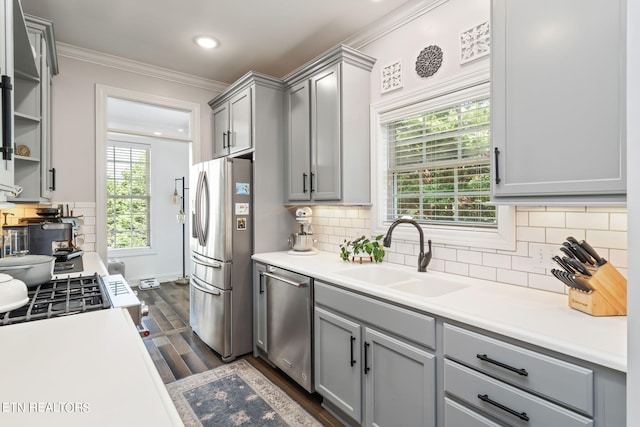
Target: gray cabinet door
326, 135
260, 308
220, 118
338, 364
239, 137
298, 142
558, 98
399, 382
47, 173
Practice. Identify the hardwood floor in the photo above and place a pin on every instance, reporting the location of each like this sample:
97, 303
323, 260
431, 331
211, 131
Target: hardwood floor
177, 352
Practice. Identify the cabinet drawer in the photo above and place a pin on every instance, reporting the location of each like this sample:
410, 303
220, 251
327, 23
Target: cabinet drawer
456, 415
506, 403
561, 381
399, 321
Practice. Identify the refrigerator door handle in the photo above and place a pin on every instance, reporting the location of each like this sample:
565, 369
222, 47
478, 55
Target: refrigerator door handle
196, 222
197, 260
199, 285
202, 194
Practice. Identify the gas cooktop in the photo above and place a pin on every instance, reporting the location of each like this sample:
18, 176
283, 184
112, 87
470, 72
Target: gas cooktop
61, 297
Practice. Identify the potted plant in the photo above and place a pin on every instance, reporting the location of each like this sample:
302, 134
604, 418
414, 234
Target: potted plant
362, 248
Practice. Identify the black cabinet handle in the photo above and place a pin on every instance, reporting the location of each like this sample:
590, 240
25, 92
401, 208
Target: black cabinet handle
496, 152
260, 289
351, 340
53, 179
366, 350
7, 131
485, 398
521, 371
312, 176
304, 182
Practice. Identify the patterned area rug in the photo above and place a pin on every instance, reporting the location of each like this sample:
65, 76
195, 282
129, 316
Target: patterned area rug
235, 395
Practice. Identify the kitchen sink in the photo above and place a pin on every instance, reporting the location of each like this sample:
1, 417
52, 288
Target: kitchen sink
422, 285
376, 274
427, 288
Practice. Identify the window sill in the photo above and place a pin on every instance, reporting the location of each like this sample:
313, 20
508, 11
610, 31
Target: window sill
129, 252
502, 238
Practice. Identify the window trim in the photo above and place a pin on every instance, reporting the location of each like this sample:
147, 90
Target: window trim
103, 92
457, 88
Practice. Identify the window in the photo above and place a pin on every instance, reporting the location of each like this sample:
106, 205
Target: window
438, 165
432, 161
128, 197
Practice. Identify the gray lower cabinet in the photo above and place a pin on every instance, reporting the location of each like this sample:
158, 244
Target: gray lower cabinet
366, 368
259, 308
327, 123
492, 379
556, 135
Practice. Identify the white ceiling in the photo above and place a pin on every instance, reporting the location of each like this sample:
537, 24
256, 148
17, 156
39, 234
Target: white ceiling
269, 36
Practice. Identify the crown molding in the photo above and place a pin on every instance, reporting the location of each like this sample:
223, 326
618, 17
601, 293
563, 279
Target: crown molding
104, 59
392, 21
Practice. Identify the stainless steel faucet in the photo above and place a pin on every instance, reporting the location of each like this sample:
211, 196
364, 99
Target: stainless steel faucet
423, 260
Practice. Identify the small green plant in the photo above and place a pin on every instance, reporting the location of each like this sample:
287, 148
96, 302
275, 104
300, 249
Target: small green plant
362, 247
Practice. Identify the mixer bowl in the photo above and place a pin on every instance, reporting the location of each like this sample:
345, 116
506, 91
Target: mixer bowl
301, 242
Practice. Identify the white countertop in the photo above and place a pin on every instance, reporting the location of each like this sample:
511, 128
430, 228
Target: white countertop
91, 369
537, 317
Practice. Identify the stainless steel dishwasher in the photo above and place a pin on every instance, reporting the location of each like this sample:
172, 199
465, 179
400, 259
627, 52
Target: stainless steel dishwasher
290, 324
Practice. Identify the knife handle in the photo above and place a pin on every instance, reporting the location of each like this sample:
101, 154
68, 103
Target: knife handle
589, 249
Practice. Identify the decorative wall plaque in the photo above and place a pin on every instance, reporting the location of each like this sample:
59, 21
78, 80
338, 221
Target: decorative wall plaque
475, 43
429, 61
391, 77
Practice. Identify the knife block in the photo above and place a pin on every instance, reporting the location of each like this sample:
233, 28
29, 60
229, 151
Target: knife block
608, 296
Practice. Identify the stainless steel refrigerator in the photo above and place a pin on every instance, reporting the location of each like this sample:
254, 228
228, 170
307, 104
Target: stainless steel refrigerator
221, 249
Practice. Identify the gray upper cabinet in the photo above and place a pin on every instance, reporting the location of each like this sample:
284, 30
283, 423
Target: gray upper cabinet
32, 116
327, 129
558, 100
232, 123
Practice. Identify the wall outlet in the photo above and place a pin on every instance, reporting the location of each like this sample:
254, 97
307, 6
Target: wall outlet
541, 255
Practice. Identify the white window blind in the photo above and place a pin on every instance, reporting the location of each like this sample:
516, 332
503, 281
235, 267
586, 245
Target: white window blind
439, 165
128, 200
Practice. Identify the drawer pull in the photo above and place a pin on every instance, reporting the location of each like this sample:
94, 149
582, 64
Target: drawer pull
521, 371
485, 398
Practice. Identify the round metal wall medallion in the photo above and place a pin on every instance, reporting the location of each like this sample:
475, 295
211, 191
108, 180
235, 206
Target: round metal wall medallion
429, 61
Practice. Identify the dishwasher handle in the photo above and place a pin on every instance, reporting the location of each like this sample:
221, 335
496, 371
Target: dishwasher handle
297, 284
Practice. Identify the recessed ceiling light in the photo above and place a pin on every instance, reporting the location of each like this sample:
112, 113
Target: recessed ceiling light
180, 130
206, 42
156, 133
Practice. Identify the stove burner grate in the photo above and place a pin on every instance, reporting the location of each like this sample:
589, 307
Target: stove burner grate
60, 297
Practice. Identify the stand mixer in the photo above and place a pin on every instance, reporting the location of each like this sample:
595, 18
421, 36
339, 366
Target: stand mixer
301, 242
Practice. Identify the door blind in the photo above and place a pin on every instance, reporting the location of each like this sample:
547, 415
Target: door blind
439, 166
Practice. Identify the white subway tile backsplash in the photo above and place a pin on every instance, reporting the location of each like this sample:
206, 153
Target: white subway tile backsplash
482, 272
608, 239
530, 234
512, 277
536, 226
547, 219
458, 268
469, 257
558, 235
588, 220
546, 283
618, 221
496, 260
